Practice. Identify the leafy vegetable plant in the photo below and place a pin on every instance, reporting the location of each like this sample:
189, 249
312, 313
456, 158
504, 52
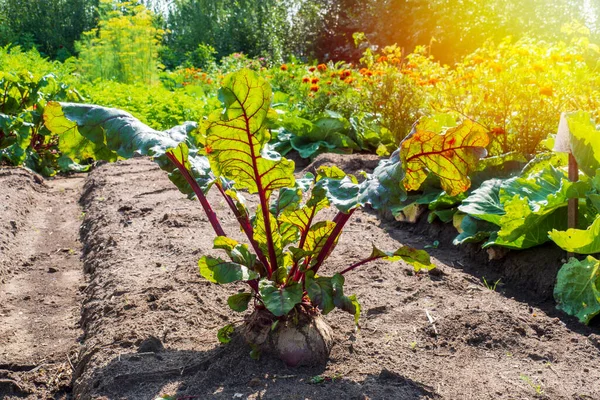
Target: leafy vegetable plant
24, 140
288, 240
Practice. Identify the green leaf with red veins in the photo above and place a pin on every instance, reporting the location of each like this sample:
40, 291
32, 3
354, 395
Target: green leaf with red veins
317, 236
261, 237
450, 154
302, 218
236, 138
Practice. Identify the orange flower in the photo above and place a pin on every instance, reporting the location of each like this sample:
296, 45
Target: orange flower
546, 91
314, 80
365, 72
433, 81
314, 88
477, 60
497, 131
312, 69
284, 67
382, 59
322, 67
328, 82
349, 79
306, 79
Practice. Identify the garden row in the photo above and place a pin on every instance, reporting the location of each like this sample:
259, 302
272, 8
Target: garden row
479, 156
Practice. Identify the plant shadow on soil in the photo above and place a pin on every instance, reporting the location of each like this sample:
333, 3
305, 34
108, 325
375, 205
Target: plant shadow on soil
527, 276
229, 372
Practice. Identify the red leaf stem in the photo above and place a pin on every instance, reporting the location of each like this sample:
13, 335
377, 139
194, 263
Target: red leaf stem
341, 219
212, 216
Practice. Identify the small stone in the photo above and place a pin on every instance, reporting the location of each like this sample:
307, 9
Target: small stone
52, 270
586, 370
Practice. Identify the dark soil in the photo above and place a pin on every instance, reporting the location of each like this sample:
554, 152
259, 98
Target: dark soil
150, 321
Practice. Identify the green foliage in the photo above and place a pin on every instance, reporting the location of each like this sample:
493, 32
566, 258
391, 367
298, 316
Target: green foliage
523, 208
124, 46
256, 28
154, 105
24, 140
51, 26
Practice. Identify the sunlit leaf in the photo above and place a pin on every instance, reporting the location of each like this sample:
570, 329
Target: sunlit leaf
450, 155
217, 270
236, 138
578, 240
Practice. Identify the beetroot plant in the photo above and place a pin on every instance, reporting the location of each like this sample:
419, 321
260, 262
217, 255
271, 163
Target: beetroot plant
288, 240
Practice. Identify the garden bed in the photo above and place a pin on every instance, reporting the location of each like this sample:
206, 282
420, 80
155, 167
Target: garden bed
150, 321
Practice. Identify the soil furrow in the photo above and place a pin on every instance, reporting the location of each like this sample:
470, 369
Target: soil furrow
42, 276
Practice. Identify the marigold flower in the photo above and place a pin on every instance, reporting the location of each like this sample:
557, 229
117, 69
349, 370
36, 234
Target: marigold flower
284, 67
329, 82
322, 67
498, 131
306, 79
314, 88
433, 81
312, 69
314, 80
382, 59
546, 91
349, 79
